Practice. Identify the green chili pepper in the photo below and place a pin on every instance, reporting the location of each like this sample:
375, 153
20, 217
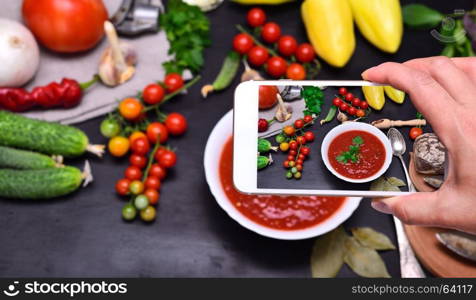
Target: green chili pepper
225, 77
330, 115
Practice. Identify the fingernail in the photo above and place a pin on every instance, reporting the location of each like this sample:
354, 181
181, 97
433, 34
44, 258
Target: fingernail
366, 73
381, 206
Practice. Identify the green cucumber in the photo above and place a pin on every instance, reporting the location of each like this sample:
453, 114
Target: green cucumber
264, 146
264, 161
45, 137
225, 77
26, 160
39, 184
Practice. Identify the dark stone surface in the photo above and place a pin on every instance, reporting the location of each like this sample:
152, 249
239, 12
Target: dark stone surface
83, 234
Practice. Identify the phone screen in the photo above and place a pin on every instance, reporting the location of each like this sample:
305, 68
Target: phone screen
337, 138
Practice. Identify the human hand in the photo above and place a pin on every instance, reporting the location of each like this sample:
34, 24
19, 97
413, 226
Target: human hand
444, 91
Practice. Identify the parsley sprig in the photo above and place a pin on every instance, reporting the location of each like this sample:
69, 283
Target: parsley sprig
313, 98
352, 154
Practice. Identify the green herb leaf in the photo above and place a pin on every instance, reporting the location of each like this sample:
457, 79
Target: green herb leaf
353, 153
327, 255
391, 184
364, 261
313, 99
421, 16
358, 140
372, 239
396, 181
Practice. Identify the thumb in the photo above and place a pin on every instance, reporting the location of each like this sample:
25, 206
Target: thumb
416, 208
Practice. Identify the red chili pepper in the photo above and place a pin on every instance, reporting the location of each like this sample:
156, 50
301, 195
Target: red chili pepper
65, 94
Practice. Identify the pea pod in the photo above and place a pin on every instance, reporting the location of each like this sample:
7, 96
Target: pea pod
264, 161
225, 77
264, 146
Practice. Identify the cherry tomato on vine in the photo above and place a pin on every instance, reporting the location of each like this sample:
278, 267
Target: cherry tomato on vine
349, 97
118, 146
289, 130
342, 91
173, 82
305, 53
293, 146
262, 125
176, 124
293, 152
296, 71
152, 195
301, 140
352, 111
299, 123
136, 135
287, 45
291, 158
157, 129
276, 66
152, 182
110, 127
415, 132
133, 173
140, 146
356, 102
360, 113
129, 212
257, 56
305, 150
256, 17
337, 101
242, 43
157, 171
138, 161
364, 104
153, 93
271, 32
309, 136
130, 108
344, 107
148, 214
136, 187
167, 159
122, 186
308, 119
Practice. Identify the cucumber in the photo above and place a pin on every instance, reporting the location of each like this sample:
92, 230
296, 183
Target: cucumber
39, 184
45, 137
264, 146
26, 160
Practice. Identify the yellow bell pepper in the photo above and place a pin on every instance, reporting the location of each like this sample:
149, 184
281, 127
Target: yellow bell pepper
330, 29
395, 95
375, 96
262, 2
380, 21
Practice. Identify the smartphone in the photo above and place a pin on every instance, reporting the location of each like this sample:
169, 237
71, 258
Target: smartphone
290, 137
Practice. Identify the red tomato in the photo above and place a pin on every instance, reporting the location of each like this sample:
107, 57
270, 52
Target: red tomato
356, 102
152, 182
296, 71
415, 132
349, 97
337, 101
309, 136
256, 17
130, 108
287, 45
360, 113
364, 104
305, 151
133, 173
267, 96
155, 130
153, 94
293, 145
66, 25
344, 107
352, 111
157, 171
176, 124
271, 32
308, 119
276, 66
299, 123
140, 146
301, 140
257, 56
138, 161
289, 131
242, 43
167, 159
173, 82
152, 195
122, 186
342, 91
305, 53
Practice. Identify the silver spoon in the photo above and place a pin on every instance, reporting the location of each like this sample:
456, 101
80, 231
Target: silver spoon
399, 147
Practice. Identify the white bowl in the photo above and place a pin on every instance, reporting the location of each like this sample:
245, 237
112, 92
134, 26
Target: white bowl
348, 126
221, 133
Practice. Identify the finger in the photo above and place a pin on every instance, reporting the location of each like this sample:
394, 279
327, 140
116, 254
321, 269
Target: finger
453, 79
417, 208
467, 65
426, 94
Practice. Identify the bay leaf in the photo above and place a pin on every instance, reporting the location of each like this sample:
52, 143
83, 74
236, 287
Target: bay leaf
372, 239
364, 261
387, 187
327, 255
396, 181
378, 184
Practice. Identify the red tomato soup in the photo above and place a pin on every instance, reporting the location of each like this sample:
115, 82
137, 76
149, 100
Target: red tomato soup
371, 155
277, 212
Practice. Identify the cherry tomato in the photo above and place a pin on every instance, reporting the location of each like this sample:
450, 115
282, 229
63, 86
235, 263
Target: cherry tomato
349, 97
256, 17
287, 45
308, 119
140, 146
291, 158
289, 130
302, 156
138, 161
301, 140
299, 167
299, 162
262, 125
136, 135
293, 145
173, 82
271, 32
360, 113
342, 91
415, 132
293, 152
305, 53
152, 182
309, 136
122, 186
148, 214
299, 123
110, 127
356, 102
157, 129
296, 71
352, 111
129, 212
257, 56
286, 164
364, 104
176, 124
118, 146
268, 96
242, 43
136, 187
344, 107
167, 159
284, 146
152, 195
276, 66
153, 93
337, 101
305, 150
141, 202
157, 171
130, 108
133, 173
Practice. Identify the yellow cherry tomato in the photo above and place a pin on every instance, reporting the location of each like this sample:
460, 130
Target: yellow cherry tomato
118, 146
135, 135
130, 108
148, 214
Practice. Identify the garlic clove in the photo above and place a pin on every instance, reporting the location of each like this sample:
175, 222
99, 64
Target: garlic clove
249, 73
284, 110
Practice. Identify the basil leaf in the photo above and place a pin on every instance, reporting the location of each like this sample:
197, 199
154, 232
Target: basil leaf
364, 261
421, 16
372, 239
328, 254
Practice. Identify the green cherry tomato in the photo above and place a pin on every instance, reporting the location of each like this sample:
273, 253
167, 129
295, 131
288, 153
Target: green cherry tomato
148, 214
110, 128
129, 212
289, 175
280, 138
141, 202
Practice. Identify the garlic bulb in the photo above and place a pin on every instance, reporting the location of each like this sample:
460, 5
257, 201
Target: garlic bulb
205, 5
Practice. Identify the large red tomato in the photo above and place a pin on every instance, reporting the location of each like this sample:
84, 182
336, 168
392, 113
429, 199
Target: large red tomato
66, 25
267, 96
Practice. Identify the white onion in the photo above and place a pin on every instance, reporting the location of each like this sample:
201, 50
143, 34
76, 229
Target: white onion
19, 54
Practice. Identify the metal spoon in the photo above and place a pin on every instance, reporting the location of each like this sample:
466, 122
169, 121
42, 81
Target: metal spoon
399, 147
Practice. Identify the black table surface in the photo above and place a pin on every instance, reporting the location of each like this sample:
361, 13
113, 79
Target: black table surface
83, 234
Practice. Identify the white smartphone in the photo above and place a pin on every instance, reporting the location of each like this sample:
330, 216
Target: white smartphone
317, 138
